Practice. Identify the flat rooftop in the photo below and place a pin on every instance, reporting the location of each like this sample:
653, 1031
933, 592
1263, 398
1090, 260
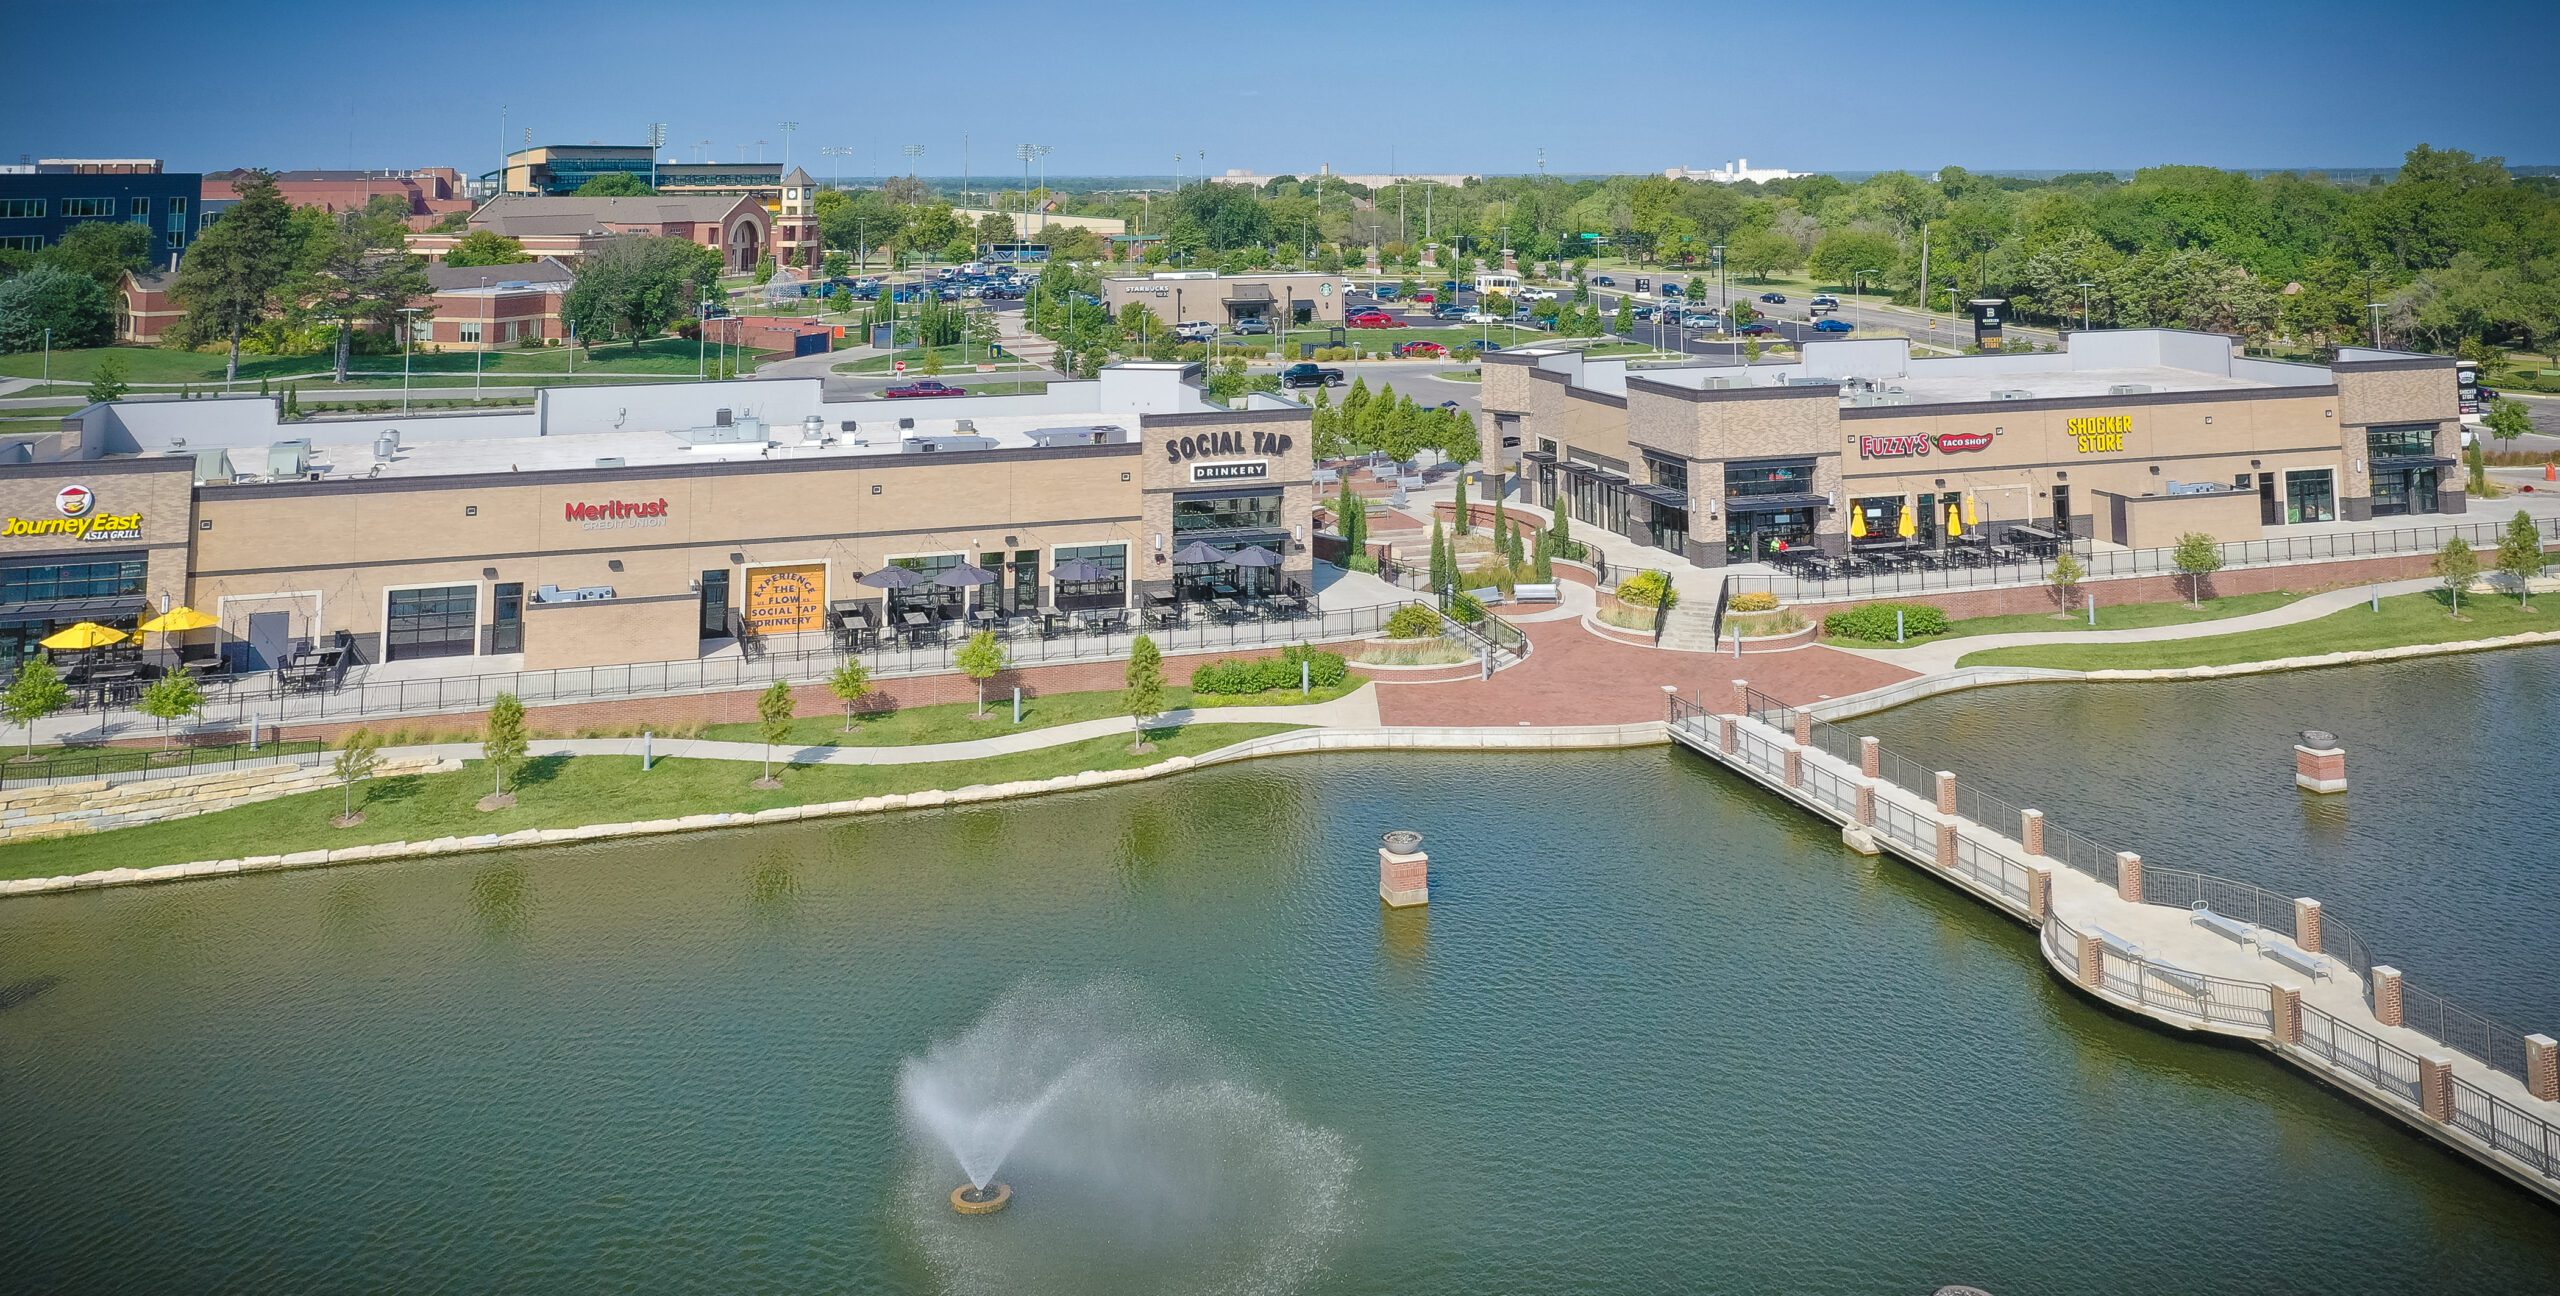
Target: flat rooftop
747, 441
1927, 384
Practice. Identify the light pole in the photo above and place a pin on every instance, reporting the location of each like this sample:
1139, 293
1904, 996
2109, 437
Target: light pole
48, 360
2084, 306
702, 339
408, 348
657, 140
1041, 151
2376, 308
913, 151
839, 154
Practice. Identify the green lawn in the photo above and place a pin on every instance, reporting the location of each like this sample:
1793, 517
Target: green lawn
566, 792
164, 365
35, 418
2131, 616
2404, 619
952, 722
955, 360
1460, 375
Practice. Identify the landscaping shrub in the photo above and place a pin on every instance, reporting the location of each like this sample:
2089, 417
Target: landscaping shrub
1874, 622
1492, 575
1467, 609
1229, 677
1413, 621
1362, 563
1649, 588
1755, 601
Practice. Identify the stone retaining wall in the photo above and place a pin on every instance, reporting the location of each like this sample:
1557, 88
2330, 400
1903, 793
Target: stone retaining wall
94, 805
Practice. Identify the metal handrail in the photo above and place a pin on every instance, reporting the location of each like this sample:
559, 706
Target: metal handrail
2478, 1035
147, 762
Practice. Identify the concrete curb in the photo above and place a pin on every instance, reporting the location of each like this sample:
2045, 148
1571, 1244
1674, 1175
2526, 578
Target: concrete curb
1559, 738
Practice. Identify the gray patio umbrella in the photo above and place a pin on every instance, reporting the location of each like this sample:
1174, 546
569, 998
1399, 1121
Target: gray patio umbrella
893, 578
1079, 569
965, 576
1197, 552
1256, 556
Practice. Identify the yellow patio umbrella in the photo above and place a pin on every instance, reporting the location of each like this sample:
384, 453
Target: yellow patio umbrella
87, 634
1955, 520
179, 619
1910, 524
1857, 522
1971, 519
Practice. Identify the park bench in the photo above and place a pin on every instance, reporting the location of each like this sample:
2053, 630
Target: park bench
2116, 945
1327, 477
1411, 483
2191, 982
1537, 594
1490, 595
2225, 926
2294, 956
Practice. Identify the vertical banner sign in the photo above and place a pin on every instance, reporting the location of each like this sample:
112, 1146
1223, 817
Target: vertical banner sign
2466, 382
787, 600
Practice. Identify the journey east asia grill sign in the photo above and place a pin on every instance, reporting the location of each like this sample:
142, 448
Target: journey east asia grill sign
80, 519
1911, 444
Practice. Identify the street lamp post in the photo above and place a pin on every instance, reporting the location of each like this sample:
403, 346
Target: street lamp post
48, 360
2376, 308
2084, 306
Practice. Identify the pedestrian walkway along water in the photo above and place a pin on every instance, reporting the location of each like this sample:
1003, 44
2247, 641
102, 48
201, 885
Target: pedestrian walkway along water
2181, 947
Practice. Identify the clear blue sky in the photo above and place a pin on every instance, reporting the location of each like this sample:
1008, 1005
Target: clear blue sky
1121, 87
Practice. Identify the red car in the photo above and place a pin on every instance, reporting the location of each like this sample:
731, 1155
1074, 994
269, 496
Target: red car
927, 387
1431, 350
1372, 319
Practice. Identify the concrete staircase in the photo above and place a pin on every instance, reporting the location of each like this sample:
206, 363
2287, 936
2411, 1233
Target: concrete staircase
1692, 625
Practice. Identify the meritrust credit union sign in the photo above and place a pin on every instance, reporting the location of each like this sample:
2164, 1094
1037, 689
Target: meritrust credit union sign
79, 519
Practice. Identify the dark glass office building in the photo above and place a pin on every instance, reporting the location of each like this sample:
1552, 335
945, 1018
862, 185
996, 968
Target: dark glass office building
37, 207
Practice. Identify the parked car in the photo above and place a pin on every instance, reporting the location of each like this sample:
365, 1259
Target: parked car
1452, 311
1425, 298
1698, 320
1831, 324
1426, 350
924, 388
1385, 292
1825, 299
1371, 319
1537, 294
1481, 317
1605, 281
1195, 330
1774, 298
1254, 325
1757, 328
1482, 347
1644, 312
1307, 375
1672, 290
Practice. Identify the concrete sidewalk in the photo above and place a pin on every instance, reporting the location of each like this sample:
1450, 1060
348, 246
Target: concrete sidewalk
1358, 710
1931, 658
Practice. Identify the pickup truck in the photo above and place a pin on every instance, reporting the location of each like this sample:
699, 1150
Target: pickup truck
1307, 375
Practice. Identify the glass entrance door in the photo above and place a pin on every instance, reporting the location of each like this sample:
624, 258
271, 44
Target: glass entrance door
715, 604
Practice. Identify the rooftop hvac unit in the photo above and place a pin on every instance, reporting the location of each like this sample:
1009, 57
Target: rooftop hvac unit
386, 446
906, 425
609, 461
720, 418
965, 425
2011, 393
813, 431
2129, 389
214, 466
1717, 384
288, 458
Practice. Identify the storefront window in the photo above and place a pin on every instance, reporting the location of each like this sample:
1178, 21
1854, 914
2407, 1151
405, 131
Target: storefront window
930, 597
2399, 492
1110, 592
2412, 439
1258, 511
1761, 537
438, 621
1768, 477
48, 581
2310, 495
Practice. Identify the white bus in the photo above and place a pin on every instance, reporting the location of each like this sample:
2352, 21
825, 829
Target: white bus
1506, 284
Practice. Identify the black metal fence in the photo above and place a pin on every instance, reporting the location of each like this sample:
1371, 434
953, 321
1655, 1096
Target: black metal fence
1965, 568
153, 762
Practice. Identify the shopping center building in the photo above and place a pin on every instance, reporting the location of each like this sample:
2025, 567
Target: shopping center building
647, 523
1207, 297
2125, 437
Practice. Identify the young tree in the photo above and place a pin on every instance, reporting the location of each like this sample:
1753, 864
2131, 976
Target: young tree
2508, 419
764, 271
1444, 571
173, 696
2197, 556
1458, 515
37, 693
486, 248
2067, 575
230, 278
2520, 555
850, 683
1625, 323
106, 384
982, 659
503, 743
774, 709
356, 762
835, 265
634, 287
2457, 567
1142, 692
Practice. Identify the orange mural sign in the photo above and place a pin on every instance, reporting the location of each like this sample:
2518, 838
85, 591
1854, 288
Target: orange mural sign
787, 600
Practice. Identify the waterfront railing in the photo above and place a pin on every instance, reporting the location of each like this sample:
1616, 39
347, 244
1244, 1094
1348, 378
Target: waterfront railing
2115, 564
2493, 1042
118, 764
